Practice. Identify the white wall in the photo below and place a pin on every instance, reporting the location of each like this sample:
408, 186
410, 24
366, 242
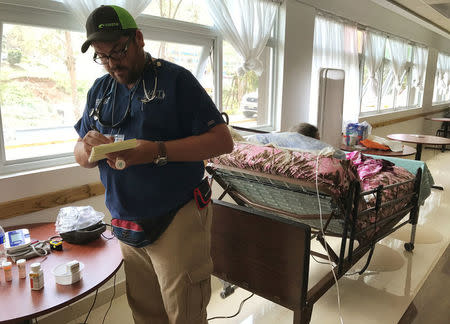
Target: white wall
298, 49
48, 180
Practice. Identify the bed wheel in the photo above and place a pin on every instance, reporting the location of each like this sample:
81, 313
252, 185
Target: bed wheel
227, 291
409, 247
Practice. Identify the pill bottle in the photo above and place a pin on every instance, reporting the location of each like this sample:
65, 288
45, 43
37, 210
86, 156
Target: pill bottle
36, 276
7, 269
2, 247
22, 268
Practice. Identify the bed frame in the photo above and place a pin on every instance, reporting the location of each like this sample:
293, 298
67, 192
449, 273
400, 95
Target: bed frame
262, 243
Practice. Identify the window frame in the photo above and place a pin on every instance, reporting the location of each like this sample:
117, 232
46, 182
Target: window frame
54, 14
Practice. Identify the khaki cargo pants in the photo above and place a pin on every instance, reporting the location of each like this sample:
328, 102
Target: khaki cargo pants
169, 281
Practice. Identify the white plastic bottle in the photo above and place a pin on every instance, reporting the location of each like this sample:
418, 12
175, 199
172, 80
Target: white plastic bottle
22, 268
2, 247
36, 276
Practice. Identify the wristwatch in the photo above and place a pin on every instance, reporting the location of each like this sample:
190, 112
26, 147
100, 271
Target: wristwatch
161, 159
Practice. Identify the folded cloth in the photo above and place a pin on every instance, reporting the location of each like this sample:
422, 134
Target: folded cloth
374, 145
368, 166
395, 146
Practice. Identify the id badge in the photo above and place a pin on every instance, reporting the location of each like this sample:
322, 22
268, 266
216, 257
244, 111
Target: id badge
116, 137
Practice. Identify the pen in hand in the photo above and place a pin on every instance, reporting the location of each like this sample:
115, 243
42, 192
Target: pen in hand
93, 127
119, 164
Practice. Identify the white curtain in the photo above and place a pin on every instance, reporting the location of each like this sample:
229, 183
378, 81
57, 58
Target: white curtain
374, 49
336, 46
420, 58
399, 54
82, 8
442, 76
246, 25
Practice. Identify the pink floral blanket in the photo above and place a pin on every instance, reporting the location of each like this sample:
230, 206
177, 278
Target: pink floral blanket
334, 173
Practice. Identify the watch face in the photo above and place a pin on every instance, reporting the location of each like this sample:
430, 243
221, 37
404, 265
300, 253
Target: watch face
161, 161
162, 154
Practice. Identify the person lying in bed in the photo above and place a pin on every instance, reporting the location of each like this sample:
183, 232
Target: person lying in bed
302, 136
306, 129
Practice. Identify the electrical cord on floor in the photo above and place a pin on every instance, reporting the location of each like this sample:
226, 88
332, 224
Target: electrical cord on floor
112, 298
92, 306
357, 272
239, 310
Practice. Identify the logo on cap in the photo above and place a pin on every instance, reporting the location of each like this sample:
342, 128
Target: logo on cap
108, 25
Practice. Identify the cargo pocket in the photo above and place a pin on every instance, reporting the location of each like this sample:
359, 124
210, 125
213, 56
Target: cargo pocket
198, 292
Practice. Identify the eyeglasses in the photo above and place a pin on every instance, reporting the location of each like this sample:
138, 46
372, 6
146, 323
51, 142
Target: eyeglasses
103, 59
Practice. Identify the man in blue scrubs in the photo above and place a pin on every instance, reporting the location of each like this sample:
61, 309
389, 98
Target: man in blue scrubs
164, 231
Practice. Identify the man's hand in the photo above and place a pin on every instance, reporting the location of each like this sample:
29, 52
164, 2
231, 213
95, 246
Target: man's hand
214, 142
94, 138
144, 152
84, 147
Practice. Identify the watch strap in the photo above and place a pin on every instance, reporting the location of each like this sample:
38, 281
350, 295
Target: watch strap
161, 158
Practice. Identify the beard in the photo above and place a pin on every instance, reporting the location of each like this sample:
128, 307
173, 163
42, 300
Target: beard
125, 75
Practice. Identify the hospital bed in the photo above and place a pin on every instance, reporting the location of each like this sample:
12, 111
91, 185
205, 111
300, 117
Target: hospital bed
262, 241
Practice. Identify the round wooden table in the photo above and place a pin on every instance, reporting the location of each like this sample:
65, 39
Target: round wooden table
102, 258
407, 150
419, 140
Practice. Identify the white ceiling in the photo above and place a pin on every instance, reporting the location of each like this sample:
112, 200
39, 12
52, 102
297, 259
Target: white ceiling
436, 12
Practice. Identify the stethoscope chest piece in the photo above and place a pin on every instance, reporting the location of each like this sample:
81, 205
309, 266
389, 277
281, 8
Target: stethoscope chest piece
93, 114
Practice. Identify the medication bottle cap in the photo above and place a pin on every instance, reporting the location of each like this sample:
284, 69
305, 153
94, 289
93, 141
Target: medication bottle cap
21, 261
6, 265
35, 266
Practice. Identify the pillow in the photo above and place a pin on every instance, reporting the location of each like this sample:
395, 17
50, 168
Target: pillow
294, 140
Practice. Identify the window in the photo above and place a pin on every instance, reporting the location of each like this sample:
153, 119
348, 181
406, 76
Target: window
44, 78
192, 57
194, 11
393, 72
336, 47
441, 93
246, 98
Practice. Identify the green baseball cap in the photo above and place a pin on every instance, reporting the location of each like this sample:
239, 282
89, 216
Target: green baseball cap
107, 23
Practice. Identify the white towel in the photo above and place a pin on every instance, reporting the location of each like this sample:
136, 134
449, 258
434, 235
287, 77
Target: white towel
395, 146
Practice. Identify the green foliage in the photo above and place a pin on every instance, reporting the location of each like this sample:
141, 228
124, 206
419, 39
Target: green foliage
240, 86
14, 56
16, 94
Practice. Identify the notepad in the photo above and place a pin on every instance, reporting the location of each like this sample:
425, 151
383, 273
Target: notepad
99, 152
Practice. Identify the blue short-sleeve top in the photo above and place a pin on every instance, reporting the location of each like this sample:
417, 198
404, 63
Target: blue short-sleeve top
181, 109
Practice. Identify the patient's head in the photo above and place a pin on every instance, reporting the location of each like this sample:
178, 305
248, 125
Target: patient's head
306, 129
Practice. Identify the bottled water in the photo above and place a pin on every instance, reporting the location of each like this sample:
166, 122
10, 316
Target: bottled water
2, 247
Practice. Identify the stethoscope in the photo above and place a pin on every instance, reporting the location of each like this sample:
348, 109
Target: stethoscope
96, 112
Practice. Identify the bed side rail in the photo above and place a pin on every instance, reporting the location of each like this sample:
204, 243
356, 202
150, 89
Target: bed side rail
292, 198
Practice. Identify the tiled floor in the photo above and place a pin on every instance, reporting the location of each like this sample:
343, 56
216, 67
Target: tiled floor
381, 295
